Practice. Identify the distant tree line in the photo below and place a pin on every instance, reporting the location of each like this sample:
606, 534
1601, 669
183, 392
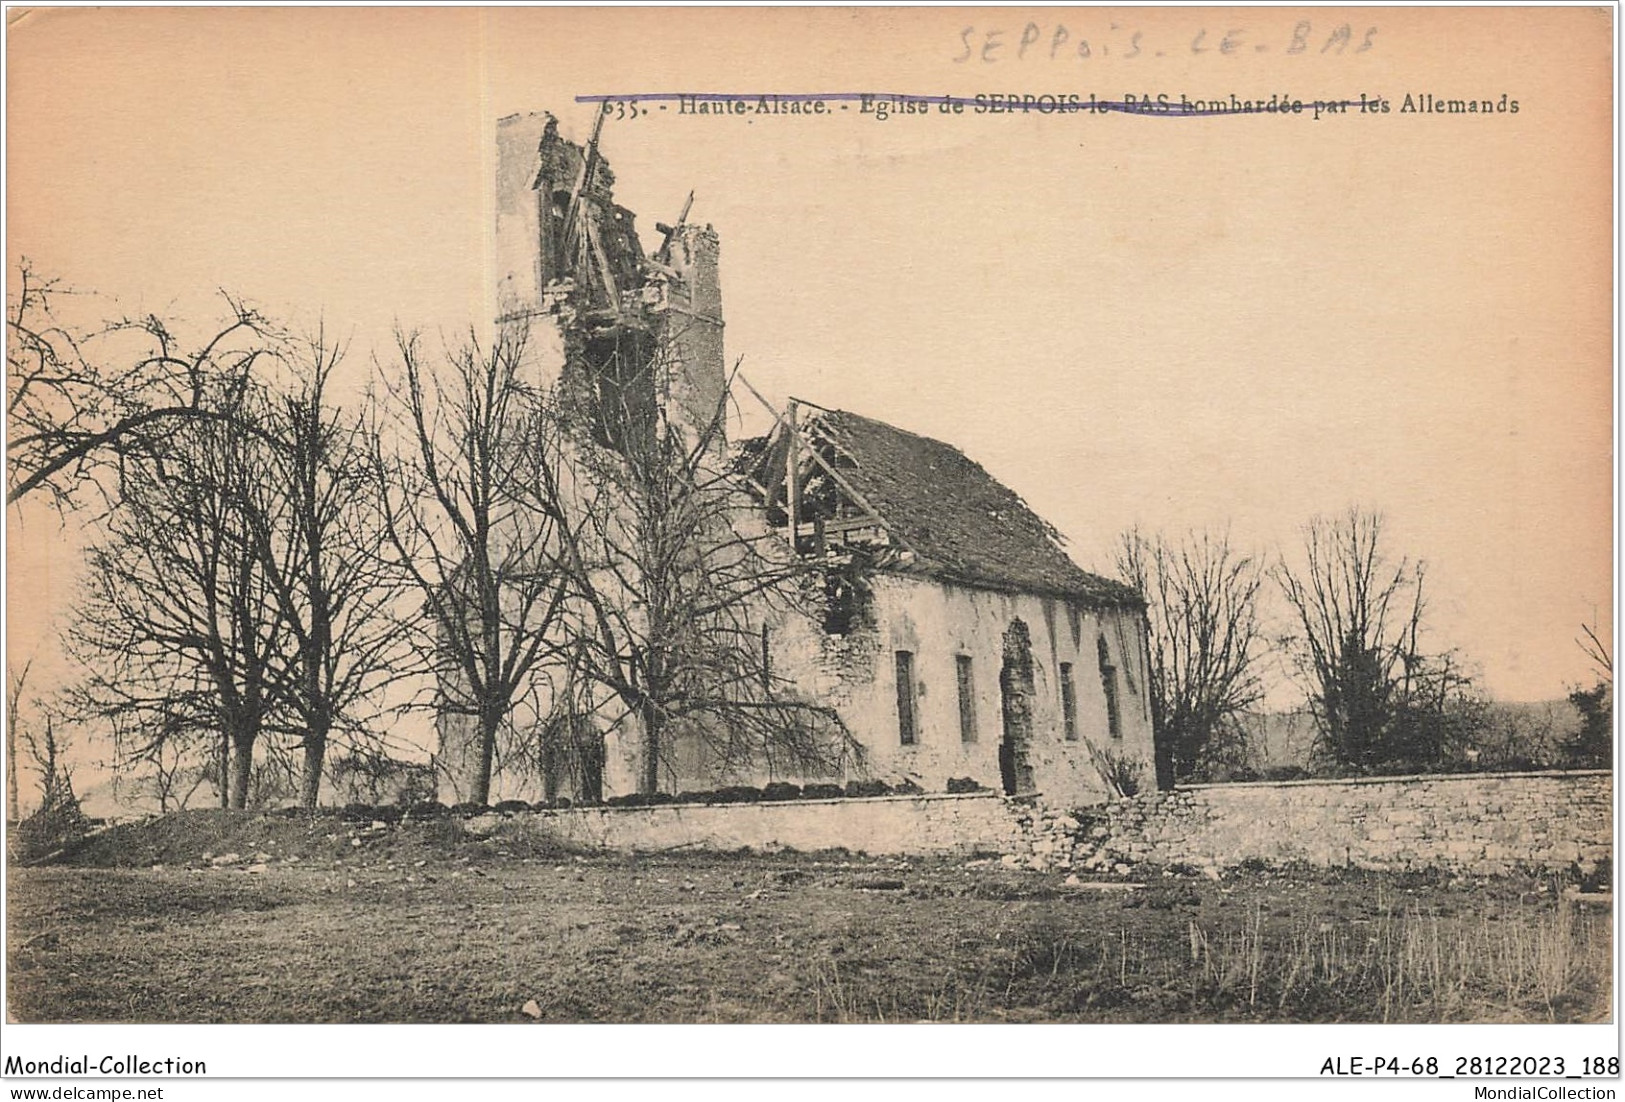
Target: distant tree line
1354, 643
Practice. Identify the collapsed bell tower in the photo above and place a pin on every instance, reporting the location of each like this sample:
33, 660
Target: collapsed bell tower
640, 330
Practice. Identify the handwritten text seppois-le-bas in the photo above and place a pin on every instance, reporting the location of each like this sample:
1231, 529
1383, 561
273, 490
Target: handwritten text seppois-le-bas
1035, 41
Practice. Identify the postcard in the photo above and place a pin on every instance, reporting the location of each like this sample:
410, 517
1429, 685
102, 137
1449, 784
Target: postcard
1091, 520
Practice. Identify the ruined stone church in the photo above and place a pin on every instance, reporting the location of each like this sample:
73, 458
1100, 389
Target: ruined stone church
955, 638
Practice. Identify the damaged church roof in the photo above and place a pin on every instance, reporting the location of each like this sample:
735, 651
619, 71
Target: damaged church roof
962, 523
914, 504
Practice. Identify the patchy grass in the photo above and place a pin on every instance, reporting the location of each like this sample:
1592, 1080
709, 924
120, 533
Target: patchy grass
347, 922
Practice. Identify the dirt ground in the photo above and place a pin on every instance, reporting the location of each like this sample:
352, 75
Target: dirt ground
221, 917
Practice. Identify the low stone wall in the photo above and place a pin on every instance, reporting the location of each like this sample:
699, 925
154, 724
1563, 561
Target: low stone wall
1480, 823
901, 825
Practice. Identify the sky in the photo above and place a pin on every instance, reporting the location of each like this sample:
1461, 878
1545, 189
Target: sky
1130, 319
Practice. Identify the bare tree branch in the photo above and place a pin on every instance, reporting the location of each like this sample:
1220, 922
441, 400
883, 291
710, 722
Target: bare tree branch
79, 400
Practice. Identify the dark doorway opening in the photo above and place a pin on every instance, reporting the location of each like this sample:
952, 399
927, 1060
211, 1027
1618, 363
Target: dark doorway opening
1016, 705
573, 755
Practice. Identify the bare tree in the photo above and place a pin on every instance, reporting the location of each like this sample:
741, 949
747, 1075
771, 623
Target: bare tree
1592, 745
55, 775
314, 517
178, 628
462, 524
80, 398
1379, 701
15, 683
1205, 642
674, 581
58, 821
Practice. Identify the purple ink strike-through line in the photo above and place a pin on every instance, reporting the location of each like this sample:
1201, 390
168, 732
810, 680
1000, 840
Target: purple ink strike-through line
1168, 110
